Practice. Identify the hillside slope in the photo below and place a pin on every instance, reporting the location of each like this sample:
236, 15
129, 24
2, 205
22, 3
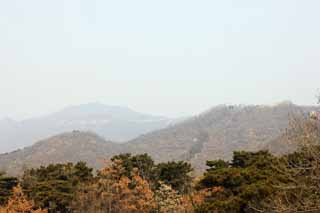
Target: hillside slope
218, 132
68, 147
214, 134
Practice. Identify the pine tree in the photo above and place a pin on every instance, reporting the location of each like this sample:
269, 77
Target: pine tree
53, 187
114, 192
175, 174
6, 186
19, 204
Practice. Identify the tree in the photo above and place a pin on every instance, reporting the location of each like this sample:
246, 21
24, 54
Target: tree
301, 193
112, 191
53, 187
143, 163
175, 174
217, 164
240, 186
6, 186
19, 204
168, 200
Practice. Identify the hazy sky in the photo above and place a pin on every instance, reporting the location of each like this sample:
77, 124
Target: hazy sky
168, 57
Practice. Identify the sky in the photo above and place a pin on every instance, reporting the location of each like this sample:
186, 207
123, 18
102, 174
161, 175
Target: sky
168, 57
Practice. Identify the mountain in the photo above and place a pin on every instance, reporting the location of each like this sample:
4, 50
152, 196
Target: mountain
214, 134
114, 123
218, 132
68, 147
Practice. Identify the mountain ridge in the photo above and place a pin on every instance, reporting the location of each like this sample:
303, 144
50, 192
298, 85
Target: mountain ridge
214, 134
114, 123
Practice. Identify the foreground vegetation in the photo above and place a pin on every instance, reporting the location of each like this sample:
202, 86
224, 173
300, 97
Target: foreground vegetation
250, 182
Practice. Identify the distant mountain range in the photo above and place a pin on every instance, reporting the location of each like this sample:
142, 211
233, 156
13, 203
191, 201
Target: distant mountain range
214, 134
114, 123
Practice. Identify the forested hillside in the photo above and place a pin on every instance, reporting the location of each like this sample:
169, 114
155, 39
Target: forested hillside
69, 147
249, 182
218, 132
214, 134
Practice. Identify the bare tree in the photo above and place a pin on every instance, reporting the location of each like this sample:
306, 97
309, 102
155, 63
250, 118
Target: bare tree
300, 191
